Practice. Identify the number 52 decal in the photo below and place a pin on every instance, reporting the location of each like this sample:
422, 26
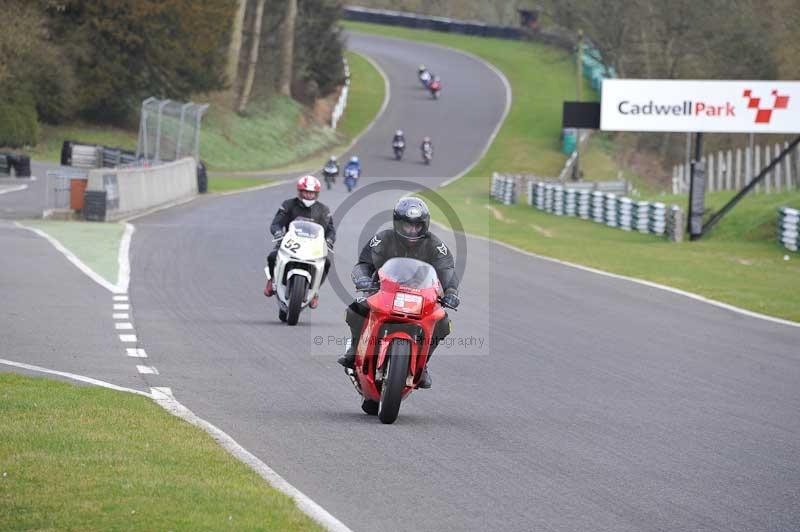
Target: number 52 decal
291, 245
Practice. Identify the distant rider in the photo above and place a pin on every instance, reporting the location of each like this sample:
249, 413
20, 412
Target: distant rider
409, 237
426, 146
424, 75
304, 206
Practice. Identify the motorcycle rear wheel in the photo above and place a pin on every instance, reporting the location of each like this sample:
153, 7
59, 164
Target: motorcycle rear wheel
399, 357
297, 292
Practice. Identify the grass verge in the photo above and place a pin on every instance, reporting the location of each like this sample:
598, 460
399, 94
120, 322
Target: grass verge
95, 244
82, 458
227, 184
740, 262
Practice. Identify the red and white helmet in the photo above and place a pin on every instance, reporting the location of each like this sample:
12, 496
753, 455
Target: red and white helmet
308, 188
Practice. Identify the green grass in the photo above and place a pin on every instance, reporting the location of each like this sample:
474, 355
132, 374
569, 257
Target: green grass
367, 92
228, 184
740, 262
82, 458
96, 244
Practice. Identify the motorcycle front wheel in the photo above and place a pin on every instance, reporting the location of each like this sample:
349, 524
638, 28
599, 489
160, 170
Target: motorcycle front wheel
297, 293
395, 381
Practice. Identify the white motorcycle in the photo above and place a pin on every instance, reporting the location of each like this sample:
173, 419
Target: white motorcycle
298, 268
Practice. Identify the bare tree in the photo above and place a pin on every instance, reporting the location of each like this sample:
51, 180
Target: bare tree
287, 49
235, 47
251, 67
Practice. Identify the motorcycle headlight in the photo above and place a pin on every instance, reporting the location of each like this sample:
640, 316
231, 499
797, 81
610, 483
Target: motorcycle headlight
407, 303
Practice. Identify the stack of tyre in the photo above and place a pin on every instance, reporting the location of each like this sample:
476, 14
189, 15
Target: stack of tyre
788, 228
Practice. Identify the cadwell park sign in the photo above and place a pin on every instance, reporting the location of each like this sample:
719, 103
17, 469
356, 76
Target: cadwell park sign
700, 106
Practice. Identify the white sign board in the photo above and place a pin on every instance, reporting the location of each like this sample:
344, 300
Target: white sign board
709, 106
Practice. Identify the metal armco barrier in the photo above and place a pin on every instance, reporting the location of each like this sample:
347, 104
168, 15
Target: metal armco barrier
605, 207
412, 20
788, 228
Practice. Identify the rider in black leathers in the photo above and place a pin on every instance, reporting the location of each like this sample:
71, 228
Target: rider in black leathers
304, 206
410, 237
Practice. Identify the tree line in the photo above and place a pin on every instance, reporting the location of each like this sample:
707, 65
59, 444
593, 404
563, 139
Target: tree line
97, 60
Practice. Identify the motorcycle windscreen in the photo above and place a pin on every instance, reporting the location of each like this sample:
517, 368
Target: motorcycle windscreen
411, 273
306, 229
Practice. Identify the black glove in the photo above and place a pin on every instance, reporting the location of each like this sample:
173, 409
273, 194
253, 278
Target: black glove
330, 242
451, 298
278, 234
364, 283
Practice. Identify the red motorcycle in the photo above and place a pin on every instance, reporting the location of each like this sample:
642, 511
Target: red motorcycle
435, 87
396, 338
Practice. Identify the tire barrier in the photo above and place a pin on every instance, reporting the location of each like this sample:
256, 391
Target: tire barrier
788, 228
608, 208
504, 189
89, 156
20, 164
94, 205
5, 165
202, 178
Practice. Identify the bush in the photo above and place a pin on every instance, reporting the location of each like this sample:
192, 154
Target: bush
18, 122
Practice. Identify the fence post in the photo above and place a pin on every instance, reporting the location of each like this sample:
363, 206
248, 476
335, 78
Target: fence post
787, 170
710, 171
778, 172
721, 170
768, 178
756, 166
729, 170
738, 181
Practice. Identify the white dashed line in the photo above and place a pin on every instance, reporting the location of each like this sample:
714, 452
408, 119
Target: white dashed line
120, 298
124, 326
147, 370
122, 306
127, 338
136, 352
121, 316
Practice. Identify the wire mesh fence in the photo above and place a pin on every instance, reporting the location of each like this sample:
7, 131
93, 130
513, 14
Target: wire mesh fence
169, 130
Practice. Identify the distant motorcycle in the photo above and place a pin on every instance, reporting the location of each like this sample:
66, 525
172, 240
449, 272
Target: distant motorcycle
425, 78
427, 153
351, 175
435, 88
329, 173
399, 147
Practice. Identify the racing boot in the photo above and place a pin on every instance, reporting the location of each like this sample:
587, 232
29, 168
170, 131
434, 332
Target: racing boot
348, 359
425, 381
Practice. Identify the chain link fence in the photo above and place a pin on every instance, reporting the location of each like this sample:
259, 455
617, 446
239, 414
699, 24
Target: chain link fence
169, 130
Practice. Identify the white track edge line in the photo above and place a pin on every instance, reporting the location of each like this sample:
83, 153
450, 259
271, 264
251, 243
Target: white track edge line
651, 284
316, 512
123, 260
17, 188
94, 276
73, 376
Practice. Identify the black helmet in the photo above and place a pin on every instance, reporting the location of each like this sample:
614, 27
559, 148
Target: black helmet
412, 219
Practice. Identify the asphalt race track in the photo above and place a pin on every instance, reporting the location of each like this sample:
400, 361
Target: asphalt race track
567, 400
